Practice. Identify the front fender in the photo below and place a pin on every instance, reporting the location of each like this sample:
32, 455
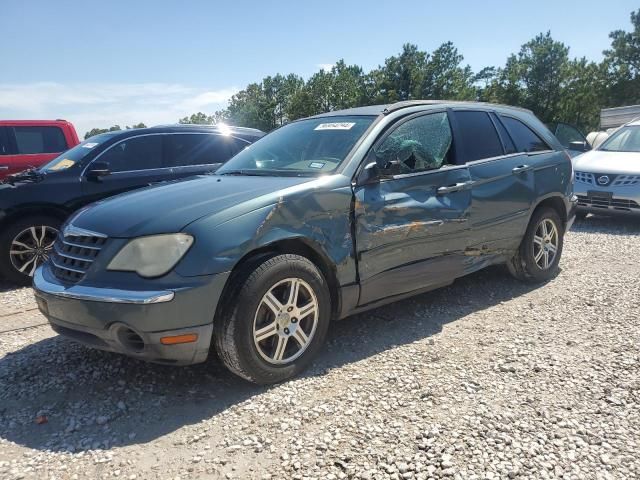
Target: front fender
320, 219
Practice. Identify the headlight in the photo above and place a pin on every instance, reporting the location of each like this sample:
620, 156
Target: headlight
152, 256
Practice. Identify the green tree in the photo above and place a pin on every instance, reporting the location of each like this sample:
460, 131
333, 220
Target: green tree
401, 77
535, 78
445, 77
622, 62
583, 94
198, 119
98, 131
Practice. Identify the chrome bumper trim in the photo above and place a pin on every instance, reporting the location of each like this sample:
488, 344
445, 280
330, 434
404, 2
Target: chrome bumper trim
94, 294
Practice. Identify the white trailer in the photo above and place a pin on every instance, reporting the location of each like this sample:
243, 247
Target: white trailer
611, 118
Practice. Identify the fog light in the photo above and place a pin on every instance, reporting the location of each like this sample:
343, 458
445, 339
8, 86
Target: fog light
177, 339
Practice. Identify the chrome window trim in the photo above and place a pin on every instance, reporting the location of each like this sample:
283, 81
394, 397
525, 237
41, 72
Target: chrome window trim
82, 175
94, 294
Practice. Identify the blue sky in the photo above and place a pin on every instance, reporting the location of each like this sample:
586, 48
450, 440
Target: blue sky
102, 63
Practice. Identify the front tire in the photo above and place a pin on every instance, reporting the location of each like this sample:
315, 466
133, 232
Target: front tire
25, 245
276, 324
539, 253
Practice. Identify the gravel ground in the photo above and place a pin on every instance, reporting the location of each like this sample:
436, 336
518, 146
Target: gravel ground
487, 378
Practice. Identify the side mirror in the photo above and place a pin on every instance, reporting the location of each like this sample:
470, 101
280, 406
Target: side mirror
98, 170
369, 174
579, 146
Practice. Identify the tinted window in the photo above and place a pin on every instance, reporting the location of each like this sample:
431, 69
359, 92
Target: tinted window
567, 134
78, 153
422, 143
509, 147
526, 140
5, 144
138, 153
199, 149
238, 146
478, 135
31, 140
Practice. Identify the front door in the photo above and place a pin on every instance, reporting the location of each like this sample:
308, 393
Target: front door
412, 225
132, 163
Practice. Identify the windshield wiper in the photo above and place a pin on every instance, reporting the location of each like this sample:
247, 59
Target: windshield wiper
33, 174
256, 173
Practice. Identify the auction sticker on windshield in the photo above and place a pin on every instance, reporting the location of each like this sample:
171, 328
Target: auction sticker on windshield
89, 145
63, 164
335, 126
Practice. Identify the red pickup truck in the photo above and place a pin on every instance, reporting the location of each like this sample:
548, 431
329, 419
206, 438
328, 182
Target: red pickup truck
32, 143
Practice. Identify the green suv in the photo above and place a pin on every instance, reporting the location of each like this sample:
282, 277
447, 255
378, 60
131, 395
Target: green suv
323, 218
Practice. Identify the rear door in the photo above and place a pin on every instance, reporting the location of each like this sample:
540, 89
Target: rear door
32, 146
198, 153
411, 228
503, 181
134, 162
7, 151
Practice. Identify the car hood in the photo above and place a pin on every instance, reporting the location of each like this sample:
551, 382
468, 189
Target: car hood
600, 161
171, 207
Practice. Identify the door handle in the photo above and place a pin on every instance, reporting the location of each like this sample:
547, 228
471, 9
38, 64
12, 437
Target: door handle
521, 169
456, 187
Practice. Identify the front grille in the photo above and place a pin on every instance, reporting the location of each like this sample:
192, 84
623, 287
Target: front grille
626, 180
585, 177
607, 202
73, 254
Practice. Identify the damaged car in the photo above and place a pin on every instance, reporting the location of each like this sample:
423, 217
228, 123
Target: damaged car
323, 218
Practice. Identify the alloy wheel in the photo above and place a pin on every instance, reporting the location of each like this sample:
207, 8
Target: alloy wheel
545, 243
285, 321
31, 248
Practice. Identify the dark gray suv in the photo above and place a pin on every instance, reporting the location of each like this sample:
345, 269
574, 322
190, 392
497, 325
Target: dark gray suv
320, 219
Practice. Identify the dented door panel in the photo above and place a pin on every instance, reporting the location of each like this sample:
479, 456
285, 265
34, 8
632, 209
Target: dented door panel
408, 236
503, 192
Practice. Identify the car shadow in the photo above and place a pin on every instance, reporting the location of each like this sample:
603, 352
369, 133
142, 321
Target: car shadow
614, 225
59, 396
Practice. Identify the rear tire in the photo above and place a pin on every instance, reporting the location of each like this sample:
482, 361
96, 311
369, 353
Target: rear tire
539, 253
277, 322
32, 235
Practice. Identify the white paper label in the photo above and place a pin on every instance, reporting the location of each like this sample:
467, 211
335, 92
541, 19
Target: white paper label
335, 126
89, 145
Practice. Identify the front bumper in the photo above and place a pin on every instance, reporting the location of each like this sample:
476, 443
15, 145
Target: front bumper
133, 322
608, 200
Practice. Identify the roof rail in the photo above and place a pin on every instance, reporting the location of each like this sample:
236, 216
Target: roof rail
413, 103
215, 126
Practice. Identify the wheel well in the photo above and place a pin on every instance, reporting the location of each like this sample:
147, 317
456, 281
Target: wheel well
297, 247
557, 204
35, 210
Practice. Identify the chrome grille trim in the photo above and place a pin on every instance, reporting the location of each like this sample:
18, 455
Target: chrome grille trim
74, 252
607, 203
72, 244
64, 267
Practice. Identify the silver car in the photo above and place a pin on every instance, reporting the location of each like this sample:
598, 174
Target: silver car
607, 179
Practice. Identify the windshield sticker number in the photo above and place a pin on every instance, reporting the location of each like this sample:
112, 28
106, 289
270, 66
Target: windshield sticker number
316, 164
89, 145
335, 126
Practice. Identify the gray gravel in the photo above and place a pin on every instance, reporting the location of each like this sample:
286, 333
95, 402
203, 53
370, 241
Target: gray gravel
485, 379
